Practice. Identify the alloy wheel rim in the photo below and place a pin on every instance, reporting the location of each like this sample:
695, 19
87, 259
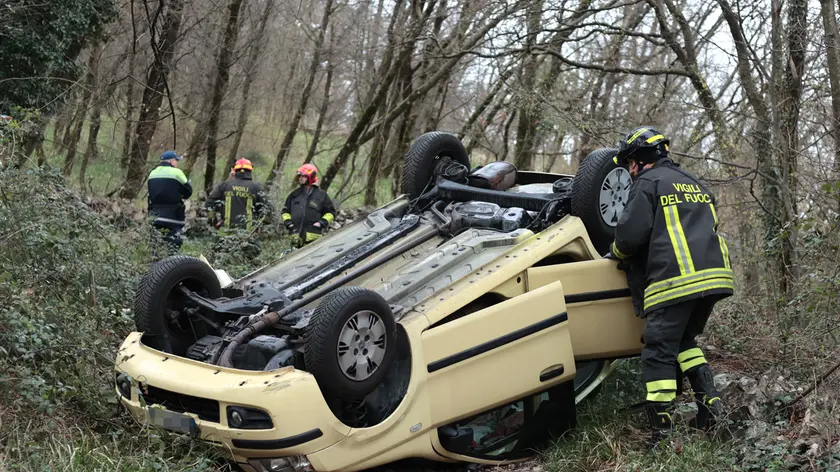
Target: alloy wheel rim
615, 190
361, 345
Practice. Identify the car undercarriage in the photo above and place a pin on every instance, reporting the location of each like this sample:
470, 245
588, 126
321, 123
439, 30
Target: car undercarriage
342, 308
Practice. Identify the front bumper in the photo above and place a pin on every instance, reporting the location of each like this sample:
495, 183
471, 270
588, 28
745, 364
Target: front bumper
302, 423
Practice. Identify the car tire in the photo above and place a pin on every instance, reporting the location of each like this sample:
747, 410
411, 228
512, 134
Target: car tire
424, 156
587, 373
337, 339
156, 295
600, 184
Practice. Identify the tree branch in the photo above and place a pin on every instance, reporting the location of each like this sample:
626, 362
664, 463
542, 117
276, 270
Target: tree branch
614, 70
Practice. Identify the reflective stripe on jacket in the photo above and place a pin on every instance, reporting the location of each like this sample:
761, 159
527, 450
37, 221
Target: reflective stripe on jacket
305, 206
168, 188
670, 221
241, 199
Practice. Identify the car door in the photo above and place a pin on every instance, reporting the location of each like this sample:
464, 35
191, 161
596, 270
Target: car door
498, 354
602, 322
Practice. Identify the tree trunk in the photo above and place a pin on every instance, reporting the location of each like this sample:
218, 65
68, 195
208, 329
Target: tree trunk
69, 125
791, 97
425, 68
153, 93
197, 147
286, 145
374, 168
223, 62
397, 148
198, 141
89, 84
368, 73
829, 18
255, 50
58, 130
356, 138
93, 134
762, 143
102, 96
388, 139
526, 128
322, 114
129, 107
506, 135
379, 89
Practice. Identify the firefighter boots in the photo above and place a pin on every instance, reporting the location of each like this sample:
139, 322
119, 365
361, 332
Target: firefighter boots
709, 405
661, 422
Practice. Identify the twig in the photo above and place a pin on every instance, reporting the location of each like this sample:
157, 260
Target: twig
813, 387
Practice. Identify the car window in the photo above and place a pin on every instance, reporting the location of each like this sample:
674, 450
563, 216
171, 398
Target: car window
499, 433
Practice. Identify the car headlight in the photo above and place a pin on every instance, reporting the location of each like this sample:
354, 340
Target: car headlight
282, 464
240, 417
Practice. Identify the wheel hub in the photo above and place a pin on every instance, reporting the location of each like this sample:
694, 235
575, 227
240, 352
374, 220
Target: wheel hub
615, 190
361, 345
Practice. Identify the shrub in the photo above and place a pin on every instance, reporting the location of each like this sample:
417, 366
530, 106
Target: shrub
66, 278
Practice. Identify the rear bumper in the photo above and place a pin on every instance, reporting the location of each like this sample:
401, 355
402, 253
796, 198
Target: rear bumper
302, 423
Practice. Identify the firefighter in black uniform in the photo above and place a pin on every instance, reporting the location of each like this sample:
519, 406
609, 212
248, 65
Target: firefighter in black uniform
239, 201
238, 205
308, 211
168, 188
668, 234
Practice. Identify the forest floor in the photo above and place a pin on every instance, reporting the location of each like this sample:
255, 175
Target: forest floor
67, 275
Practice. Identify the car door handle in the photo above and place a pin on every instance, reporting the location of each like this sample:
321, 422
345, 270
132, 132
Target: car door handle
552, 372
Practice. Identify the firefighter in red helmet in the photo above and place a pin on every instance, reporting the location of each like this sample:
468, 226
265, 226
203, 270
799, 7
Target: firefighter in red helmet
308, 211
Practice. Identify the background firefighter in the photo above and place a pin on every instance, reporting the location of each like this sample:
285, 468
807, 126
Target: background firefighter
308, 210
667, 239
239, 205
168, 187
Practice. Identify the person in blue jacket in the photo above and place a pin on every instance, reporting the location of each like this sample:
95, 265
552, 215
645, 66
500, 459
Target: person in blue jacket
168, 188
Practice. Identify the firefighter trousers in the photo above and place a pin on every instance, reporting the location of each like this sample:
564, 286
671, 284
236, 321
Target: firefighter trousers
669, 338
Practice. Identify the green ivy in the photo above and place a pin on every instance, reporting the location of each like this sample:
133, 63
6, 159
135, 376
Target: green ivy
41, 41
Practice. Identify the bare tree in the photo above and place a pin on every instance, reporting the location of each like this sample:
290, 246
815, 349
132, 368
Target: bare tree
163, 48
790, 97
289, 137
358, 136
325, 104
130, 105
526, 128
101, 96
829, 18
255, 49
223, 62
72, 142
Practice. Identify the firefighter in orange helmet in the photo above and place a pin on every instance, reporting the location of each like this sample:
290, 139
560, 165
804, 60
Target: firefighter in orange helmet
238, 201
308, 211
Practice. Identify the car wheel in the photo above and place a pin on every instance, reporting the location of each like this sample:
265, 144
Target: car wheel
587, 373
160, 308
599, 194
427, 157
351, 342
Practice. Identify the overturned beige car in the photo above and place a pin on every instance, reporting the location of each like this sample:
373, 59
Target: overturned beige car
461, 322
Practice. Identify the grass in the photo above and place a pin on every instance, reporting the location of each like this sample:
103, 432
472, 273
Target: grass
120, 448
610, 438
